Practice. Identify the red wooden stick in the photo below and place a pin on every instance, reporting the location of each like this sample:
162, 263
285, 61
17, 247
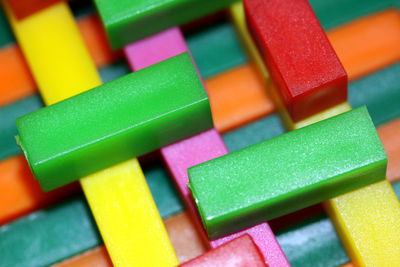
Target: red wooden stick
302, 63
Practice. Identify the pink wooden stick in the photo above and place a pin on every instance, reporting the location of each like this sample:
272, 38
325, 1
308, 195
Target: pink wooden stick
196, 149
156, 48
189, 152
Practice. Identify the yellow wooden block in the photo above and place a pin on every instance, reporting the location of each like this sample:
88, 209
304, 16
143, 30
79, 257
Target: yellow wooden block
55, 52
368, 223
238, 18
127, 216
333, 111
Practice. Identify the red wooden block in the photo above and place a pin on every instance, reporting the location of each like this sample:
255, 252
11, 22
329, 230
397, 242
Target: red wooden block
24, 8
239, 252
302, 63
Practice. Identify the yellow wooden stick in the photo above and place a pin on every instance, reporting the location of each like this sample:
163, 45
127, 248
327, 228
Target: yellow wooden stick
368, 223
111, 194
55, 52
236, 13
120, 200
330, 112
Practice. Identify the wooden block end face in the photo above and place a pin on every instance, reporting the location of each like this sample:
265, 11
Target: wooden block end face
318, 99
288, 172
241, 251
155, 106
298, 55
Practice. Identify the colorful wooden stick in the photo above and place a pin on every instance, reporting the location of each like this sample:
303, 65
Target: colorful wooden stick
288, 172
297, 54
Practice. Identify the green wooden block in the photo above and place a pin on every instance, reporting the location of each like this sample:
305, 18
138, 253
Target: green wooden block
125, 118
50, 235
8, 129
126, 21
9, 113
254, 133
287, 173
165, 196
313, 243
216, 49
380, 92
332, 13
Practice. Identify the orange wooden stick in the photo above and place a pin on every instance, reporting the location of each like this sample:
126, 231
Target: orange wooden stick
16, 81
95, 257
181, 229
389, 135
95, 39
21, 193
368, 44
238, 97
